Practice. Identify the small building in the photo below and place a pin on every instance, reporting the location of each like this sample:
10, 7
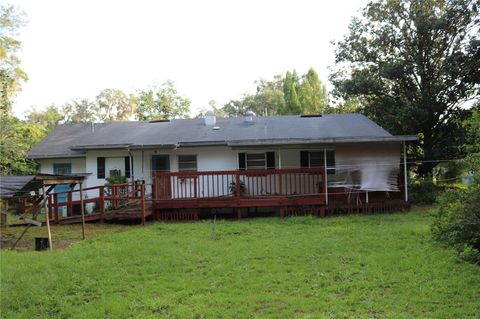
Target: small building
271, 161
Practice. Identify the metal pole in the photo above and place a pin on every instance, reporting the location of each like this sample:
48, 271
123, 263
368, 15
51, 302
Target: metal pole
405, 171
82, 209
279, 159
47, 218
326, 173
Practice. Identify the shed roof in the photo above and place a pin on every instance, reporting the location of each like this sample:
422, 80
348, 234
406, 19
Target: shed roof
74, 139
11, 186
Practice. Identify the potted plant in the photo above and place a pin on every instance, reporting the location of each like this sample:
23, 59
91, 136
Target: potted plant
233, 187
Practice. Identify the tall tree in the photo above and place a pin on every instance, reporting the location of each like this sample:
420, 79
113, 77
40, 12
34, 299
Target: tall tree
11, 75
313, 94
291, 86
267, 100
80, 111
413, 65
47, 119
16, 139
115, 105
212, 106
160, 103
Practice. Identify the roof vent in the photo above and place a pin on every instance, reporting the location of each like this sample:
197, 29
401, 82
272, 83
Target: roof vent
311, 115
158, 121
249, 115
210, 118
216, 128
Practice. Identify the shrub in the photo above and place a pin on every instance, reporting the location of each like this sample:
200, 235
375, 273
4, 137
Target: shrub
423, 191
457, 221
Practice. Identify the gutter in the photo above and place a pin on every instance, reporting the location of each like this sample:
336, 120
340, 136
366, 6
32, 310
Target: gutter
56, 156
273, 142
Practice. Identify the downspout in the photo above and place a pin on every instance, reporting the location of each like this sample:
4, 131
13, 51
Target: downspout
279, 159
405, 171
132, 179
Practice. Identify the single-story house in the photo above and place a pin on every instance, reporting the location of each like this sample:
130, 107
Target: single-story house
354, 153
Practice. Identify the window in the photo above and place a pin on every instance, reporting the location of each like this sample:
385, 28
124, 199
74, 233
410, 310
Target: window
317, 159
256, 160
62, 168
100, 167
187, 163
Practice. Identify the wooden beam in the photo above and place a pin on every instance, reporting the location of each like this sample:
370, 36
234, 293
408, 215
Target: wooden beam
33, 222
82, 209
45, 206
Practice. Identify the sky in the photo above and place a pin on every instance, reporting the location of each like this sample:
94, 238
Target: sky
212, 50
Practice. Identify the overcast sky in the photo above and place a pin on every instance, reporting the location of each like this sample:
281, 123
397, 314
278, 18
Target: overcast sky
212, 50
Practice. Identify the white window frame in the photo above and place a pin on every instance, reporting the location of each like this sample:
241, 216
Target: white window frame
196, 163
330, 170
256, 167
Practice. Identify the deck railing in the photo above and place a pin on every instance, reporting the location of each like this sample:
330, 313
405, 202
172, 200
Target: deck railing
239, 184
104, 196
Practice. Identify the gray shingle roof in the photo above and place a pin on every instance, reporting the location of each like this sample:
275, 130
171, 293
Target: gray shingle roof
73, 139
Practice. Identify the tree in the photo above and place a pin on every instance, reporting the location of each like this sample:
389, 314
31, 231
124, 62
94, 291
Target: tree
349, 106
270, 97
47, 119
413, 65
80, 111
267, 100
115, 105
291, 86
11, 75
238, 107
160, 103
313, 95
218, 111
16, 139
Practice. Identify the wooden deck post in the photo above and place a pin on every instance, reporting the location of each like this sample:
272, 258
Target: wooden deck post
55, 207
115, 194
237, 184
325, 182
322, 211
280, 183
142, 194
405, 177
24, 204
195, 190
82, 210
101, 190
69, 206
45, 206
35, 206
50, 206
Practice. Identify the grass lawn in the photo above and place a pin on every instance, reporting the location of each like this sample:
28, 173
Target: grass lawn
375, 266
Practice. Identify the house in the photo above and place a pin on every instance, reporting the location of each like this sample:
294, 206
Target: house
267, 160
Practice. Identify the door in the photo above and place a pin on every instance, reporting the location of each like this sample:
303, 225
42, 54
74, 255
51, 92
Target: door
62, 169
161, 163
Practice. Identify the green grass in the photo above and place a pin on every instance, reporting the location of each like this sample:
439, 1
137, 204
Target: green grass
375, 266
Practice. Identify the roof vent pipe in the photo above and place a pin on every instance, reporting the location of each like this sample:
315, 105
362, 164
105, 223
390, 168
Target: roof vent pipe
93, 127
210, 119
249, 115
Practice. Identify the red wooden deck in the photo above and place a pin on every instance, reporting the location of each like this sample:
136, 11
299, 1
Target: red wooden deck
182, 195
236, 189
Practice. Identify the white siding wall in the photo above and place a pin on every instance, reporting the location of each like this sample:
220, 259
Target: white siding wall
78, 164
215, 159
